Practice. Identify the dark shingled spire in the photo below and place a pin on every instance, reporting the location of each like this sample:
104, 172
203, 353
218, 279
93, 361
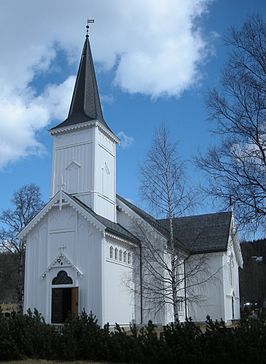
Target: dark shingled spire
85, 104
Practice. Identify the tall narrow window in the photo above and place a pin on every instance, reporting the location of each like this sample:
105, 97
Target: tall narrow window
125, 256
116, 251
111, 252
120, 255
180, 305
129, 258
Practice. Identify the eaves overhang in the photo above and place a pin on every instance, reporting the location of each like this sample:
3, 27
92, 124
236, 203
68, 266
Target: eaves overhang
85, 125
60, 199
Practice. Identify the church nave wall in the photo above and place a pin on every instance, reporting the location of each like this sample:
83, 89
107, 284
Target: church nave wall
119, 283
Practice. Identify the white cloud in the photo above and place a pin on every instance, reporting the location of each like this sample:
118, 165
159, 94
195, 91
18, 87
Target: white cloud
56, 98
155, 48
22, 116
125, 140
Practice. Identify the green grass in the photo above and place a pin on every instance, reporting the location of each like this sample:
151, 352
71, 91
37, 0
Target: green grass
35, 361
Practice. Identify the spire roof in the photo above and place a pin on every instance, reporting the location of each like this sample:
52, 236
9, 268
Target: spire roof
85, 105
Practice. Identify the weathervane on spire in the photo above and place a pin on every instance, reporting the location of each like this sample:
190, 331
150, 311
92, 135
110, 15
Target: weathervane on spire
89, 21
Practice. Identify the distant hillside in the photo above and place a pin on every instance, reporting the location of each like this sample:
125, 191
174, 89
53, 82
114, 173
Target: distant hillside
253, 274
8, 277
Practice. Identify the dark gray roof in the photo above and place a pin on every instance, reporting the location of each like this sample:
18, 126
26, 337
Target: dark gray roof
111, 227
196, 234
202, 233
85, 104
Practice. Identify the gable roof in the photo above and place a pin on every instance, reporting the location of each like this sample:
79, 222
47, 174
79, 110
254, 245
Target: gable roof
57, 200
202, 233
85, 105
196, 234
98, 221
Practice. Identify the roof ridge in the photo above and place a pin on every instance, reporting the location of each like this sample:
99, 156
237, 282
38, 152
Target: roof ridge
199, 215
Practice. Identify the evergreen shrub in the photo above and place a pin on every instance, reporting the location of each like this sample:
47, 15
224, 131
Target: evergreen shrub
81, 338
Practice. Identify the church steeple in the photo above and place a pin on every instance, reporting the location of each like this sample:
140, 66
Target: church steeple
85, 105
84, 147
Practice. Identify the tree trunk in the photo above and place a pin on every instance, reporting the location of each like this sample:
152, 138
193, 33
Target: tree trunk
173, 268
20, 281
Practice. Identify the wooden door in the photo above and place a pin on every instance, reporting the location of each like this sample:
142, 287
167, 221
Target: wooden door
61, 304
74, 301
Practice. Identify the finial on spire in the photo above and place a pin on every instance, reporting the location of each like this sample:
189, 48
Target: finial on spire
89, 21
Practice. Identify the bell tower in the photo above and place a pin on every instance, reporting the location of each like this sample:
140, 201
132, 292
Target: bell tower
84, 147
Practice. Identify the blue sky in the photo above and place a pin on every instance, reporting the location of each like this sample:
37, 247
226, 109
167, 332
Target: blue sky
155, 61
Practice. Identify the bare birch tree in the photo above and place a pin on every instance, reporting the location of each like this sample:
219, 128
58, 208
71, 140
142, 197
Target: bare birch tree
164, 188
26, 204
171, 276
236, 168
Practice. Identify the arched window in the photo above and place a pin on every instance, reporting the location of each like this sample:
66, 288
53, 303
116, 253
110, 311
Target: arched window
120, 255
62, 278
125, 256
129, 258
111, 252
116, 251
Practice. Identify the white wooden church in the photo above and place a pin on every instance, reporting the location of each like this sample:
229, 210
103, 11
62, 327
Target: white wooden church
83, 249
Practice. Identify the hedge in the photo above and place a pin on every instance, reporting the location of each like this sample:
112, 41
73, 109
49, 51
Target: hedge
28, 336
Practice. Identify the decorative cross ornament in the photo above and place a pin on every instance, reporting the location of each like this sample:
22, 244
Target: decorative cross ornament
89, 21
61, 248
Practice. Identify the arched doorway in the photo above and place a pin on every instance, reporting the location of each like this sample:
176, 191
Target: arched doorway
64, 298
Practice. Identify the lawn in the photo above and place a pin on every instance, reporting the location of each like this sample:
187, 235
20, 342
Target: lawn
35, 361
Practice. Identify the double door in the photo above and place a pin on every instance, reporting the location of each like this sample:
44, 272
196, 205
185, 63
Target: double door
64, 304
